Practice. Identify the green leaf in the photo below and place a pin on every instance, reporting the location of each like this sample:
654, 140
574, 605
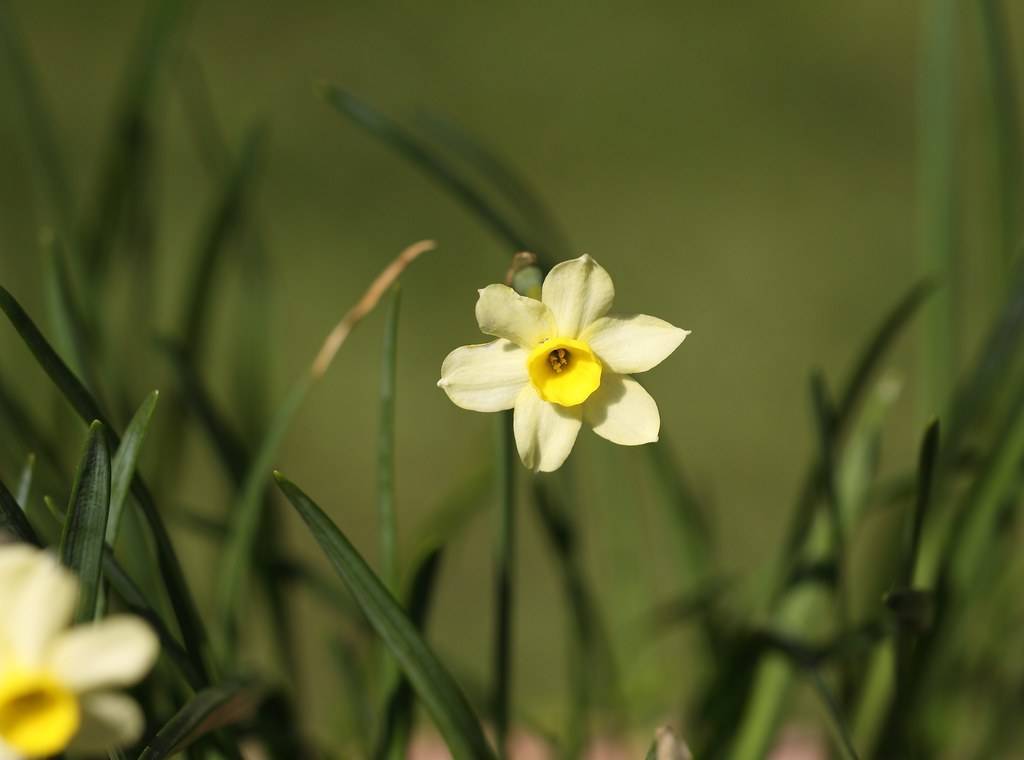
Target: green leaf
125, 459
40, 131
436, 688
398, 710
246, 513
209, 710
925, 482
837, 723
386, 518
506, 465
88, 410
1008, 136
431, 163
515, 188
13, 520
25, 481
135, 601
126, 139
221, 223
849, 400
590, 655
82, 541
652, 751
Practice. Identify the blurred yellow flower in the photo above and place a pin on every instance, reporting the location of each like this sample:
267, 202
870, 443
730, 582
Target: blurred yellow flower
559, 362
55, 682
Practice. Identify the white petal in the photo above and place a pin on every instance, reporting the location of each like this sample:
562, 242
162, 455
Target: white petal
577, 292
503, 313
16, 562
109, 721
486, 377
116, 651
545, 433
622, 411
6, 753
634, 343
41, 607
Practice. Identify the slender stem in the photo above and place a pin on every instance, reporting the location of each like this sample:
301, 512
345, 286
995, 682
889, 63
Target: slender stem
387, 520
936, 189
505, 558
1006, 123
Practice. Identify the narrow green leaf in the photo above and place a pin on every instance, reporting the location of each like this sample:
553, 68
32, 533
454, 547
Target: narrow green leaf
431, 163
697, 540
39, 127
25, 482
81, 542
217, 229
590, 654
387, 520
246, 513
13, 520
505, 564
398, 710
209, 710
135, 600
432, 682
837, 723
847, 404
652, 751
70, 326
516, 189
925, 483
1006, 120
88, 410
937, 185
125, 459
125, 140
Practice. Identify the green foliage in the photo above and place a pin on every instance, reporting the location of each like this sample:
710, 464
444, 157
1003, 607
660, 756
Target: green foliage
883, 616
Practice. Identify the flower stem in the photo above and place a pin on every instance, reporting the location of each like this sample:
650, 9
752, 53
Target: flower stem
505, 558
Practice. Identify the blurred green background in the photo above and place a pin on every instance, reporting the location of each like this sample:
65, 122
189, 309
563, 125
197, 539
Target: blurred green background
744, 170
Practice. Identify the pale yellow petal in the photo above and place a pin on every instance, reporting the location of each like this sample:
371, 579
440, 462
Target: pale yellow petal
545, 433
634, 343
503, 313
116, 651
622, 411
109, 721
577, 292
41, 607
485, 377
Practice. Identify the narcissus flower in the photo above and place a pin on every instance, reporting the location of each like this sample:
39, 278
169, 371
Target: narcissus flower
55, 682
561, 361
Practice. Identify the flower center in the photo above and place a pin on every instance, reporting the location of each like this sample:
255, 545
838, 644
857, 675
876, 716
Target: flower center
38, 714
564, 371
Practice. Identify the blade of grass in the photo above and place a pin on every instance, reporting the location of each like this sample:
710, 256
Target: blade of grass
25, 482
224, 217
161, 20
589, 651
81, 542
246, 515
936, 189
40, 131
437, 689
88, 410
847, 405
1006, 121
430, 163
209, 710
124, 462
505, 564
398, 711
135, 600
13, 520
387, 521
503, 178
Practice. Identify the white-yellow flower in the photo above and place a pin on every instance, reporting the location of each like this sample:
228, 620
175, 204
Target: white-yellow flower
56, 682
559, 362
